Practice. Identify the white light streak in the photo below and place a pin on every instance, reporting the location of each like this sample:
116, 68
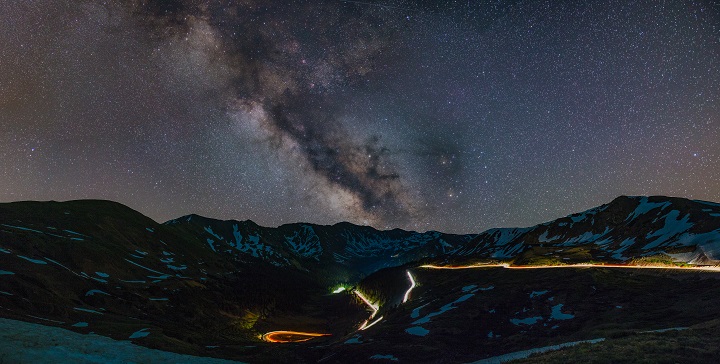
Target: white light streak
412, 285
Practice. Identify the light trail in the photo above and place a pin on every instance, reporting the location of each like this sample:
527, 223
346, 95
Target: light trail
432, 266
412, 285
374, 306
365, 325
625, 266
290, 336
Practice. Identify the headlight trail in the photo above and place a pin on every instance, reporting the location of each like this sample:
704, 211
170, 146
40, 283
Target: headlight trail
375, 307
290, 336
365, 325
412, 285
582, 265
471, 266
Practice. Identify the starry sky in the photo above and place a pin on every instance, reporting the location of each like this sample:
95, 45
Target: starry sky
455, 116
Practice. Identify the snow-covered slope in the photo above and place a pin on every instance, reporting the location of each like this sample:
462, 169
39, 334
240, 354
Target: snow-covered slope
626, 228
342, 247
26, 343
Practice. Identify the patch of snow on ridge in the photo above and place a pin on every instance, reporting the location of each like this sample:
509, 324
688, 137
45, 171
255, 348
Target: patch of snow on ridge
673, 226
210, 231
544, 237
305, 243
212, 244
707, 203
644, 207
589, 237
377, 244
582, 216
238, 237
504, 236
623, 247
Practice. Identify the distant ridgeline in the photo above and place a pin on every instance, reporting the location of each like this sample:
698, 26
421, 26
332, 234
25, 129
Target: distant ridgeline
100, 266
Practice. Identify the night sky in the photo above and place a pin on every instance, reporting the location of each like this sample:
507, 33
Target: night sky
455, 116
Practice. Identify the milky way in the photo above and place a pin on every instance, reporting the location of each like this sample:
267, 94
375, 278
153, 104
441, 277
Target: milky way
413, 114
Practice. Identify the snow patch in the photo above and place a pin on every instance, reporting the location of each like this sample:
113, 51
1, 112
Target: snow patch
673, 226
443, 309
140, 334
93, 292
141, 266
417, 331
22, 228
544, 237
87, 310
557, 313
305, 243
387, 357
212, 244
23, 342
31, 260
210, 231
644, 207
526, 321
416, 312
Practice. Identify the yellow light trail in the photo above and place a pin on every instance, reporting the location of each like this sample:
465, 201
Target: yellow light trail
290, 336
471, 266
412, 285
365, 325
505, 265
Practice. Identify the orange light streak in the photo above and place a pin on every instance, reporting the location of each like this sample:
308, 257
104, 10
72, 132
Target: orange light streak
290, 336
505, 265
472, 266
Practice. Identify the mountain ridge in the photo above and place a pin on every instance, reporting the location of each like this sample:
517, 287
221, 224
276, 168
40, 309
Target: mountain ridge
196, 283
